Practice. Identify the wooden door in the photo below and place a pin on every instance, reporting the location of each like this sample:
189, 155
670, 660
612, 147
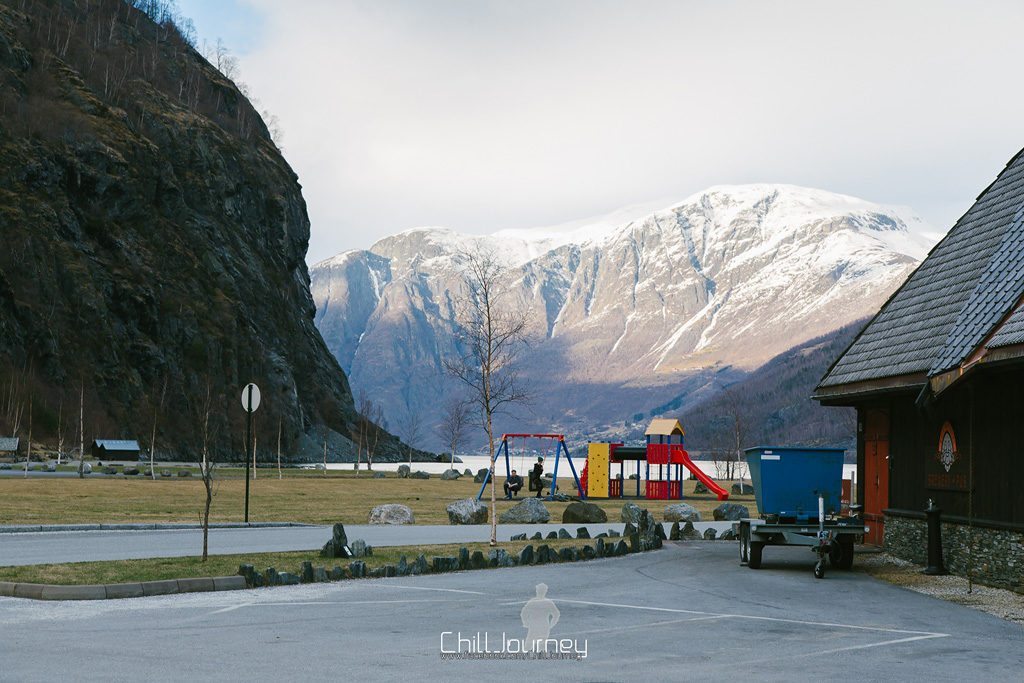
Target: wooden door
876, 474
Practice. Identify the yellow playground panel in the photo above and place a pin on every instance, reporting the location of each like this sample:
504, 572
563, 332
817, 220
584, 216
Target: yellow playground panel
597, 470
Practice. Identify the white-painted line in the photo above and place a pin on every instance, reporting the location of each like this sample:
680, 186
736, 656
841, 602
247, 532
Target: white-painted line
870, 645
336, 603
232, 608
423, 588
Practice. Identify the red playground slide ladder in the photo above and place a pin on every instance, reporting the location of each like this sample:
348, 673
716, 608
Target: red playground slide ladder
701, 477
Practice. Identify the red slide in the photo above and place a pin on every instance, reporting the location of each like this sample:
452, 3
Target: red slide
703, 478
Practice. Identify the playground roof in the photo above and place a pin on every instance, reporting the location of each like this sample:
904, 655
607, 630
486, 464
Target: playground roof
664, 426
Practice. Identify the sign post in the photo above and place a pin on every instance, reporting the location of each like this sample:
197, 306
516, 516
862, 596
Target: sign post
250, 401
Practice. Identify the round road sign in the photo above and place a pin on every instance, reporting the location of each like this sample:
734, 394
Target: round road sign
251, 397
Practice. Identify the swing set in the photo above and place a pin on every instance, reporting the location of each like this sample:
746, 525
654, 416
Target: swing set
556, 443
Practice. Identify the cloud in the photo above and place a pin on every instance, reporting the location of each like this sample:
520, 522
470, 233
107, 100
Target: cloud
482, 116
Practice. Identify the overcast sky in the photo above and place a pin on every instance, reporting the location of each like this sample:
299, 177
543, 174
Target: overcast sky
488, 115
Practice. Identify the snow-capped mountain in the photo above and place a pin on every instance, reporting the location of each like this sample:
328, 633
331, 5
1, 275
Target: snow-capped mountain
624, 315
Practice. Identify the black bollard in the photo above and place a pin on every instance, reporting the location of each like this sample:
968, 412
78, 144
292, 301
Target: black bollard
935, 565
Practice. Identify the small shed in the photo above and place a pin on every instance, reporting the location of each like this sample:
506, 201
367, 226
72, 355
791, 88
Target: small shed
9, 445
664, 430
115, 449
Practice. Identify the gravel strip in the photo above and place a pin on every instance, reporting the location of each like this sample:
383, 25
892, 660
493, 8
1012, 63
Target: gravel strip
999, 602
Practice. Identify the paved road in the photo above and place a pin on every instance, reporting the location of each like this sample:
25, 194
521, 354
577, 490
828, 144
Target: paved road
683, 613
84, 546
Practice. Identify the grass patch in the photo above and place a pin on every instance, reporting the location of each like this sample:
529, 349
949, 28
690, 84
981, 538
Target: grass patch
308, 497
155, 569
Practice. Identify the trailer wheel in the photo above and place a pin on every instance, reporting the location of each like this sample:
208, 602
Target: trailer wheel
744, 543
754, 561
835, 555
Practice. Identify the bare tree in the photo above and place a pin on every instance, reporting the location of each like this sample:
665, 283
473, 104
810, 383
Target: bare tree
454, 424
157, 410
728, 457
209, 463
81, 432
490, 337
60, 428
411, 429
279, 425
28, 451
369, 428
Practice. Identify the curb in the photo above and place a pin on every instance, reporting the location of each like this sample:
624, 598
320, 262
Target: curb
38, 528
115, 591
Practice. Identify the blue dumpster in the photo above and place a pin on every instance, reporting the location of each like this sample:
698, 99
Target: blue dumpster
787, 481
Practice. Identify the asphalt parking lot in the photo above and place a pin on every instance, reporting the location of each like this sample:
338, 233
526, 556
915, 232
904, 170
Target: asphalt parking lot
688, 611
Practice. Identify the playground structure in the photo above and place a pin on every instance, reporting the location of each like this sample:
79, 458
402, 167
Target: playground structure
560, 451
664, 448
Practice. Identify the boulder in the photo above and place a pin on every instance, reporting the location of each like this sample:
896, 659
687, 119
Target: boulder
527, 511
467, 511
688, 533
480, 475
537, 537
630, 513
742, 489
681, 512
709, 534
86, 468
419, 474
700, 488
392, 513
727, 535
131, 471
404, 471
563, 534
450, 475
338, 545
109, 470
186, 473
673, 535
379, 475
165, 473
468, 473
731, 512
552, 536
526, 555
582, 532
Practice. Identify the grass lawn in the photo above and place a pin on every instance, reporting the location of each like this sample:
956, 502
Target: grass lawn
308, 497
131, 571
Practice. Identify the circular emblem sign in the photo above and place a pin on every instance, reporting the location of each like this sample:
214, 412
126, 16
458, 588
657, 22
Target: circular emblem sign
947, 454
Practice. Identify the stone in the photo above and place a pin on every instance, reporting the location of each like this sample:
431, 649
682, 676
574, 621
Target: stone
247, 571
599, 547
358, 548
404, 471
579, 512
517, 537
86, 468
621, 548
526, 555
379, 475
109, 470
165, 473
358, 569
543, 554
568, 555
338, 545
306, 573
688, 533
630, 513
700, 488
742, 489
709, 534
480, 476
673, 535
319, 575
612, 533
552, 536
445, 564
450, 475
390, 570
467, 511
527, 511
403, 566
184, 473
131, 471
337, 573
563, 534
392, 513
728, 535
463, 558
603, 534
629, 530
420, 566
467, 473
537, 537
634, 542
582, 532
287, 579
273, 579
587, 552
477, 560
419, 474
681, 512
732, 512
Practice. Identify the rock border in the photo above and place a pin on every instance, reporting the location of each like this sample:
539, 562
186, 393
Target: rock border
116, 591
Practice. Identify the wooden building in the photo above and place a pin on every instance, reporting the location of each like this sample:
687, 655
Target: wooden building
937, 378
115, 449
9, 446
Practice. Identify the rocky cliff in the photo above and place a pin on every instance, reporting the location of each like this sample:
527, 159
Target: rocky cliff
152, 234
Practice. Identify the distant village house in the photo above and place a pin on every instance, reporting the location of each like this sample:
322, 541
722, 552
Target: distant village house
114, 449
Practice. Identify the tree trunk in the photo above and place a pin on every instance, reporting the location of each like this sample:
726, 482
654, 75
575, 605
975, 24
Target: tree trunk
279, 449
81, 433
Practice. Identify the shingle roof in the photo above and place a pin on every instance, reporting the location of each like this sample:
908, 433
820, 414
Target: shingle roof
9, 444
117, 444
1012, 331
969, 281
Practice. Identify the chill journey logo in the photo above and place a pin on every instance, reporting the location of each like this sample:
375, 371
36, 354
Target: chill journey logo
539, 616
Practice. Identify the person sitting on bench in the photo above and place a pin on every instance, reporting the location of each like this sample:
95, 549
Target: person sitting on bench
513, 485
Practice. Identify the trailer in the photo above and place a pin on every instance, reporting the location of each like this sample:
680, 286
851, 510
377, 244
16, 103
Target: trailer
798, 493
